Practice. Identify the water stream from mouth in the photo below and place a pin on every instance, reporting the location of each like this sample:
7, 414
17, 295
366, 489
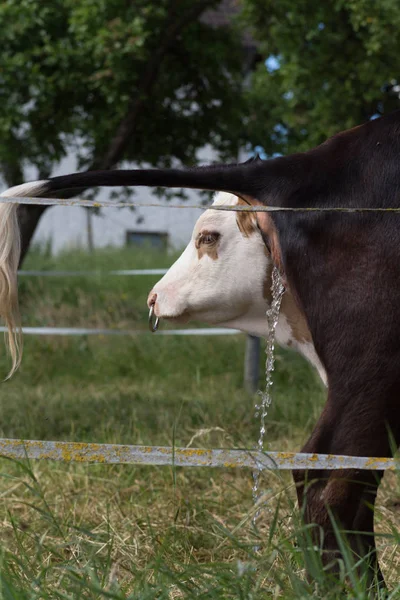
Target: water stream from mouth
261, 408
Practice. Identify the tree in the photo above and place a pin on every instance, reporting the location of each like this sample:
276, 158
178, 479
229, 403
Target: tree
329, 66
134, 80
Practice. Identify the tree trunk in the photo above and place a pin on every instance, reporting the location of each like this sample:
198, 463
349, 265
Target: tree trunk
28, 218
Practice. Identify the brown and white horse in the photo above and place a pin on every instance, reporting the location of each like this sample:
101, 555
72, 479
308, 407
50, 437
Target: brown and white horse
223, 277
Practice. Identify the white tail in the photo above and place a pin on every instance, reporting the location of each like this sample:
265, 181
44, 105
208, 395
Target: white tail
10, 249
9, 258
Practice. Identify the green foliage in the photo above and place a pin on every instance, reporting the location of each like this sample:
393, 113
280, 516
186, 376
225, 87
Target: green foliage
338, 66
71, 72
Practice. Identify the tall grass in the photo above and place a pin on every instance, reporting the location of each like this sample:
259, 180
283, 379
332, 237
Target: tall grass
95, 531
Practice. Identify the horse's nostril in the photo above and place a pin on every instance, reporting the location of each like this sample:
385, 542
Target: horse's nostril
151, 300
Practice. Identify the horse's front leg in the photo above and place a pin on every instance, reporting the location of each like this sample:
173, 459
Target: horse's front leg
346, 497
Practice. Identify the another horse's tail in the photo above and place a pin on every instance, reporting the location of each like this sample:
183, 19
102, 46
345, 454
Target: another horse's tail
9, 259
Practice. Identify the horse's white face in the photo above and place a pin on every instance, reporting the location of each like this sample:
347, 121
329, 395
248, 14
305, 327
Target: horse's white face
223, 278
220, 276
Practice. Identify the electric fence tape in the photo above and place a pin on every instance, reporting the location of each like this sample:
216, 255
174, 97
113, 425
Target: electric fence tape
82, 452
92, 273
235, 208
94, 331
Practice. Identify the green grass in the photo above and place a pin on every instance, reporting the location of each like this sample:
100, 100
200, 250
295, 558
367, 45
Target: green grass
95, 531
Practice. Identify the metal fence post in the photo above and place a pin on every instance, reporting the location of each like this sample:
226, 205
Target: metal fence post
252, 364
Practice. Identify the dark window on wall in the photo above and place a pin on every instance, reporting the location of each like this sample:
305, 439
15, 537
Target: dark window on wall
152, 239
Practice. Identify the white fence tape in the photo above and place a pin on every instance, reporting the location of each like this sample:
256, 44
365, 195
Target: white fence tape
96, 273
186, 457
90, 331
224, 207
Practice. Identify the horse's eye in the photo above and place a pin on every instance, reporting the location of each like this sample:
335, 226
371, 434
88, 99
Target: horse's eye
208, 237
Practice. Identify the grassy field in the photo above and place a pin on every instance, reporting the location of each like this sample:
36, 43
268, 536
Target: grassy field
94, 532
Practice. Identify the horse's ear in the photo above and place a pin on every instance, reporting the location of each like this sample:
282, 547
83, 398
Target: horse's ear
255, 158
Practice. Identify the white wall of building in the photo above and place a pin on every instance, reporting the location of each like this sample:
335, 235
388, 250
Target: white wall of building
66, 227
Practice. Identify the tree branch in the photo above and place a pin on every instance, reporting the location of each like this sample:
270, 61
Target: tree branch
128, 123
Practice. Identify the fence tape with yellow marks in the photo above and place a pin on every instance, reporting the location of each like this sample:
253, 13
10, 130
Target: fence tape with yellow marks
82, 452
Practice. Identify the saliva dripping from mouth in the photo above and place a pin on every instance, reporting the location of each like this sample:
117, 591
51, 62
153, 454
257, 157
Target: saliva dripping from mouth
261, 408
